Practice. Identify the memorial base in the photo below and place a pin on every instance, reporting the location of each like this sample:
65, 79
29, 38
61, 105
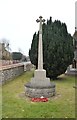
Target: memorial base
40, 86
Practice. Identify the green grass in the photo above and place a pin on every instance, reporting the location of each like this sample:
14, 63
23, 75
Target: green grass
0, 102
15, 105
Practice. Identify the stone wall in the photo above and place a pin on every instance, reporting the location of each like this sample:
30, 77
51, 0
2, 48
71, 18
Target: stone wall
10, 72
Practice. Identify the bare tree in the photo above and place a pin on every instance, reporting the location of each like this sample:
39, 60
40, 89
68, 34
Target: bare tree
6, 48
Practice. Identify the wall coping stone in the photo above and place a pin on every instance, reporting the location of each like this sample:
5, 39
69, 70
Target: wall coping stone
10, 66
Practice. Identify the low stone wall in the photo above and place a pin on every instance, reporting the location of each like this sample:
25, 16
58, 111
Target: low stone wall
9, 72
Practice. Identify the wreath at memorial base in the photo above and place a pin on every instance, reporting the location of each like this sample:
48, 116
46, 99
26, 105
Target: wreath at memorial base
39, 99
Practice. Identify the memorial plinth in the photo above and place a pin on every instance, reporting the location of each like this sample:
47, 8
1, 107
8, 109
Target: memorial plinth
40, 85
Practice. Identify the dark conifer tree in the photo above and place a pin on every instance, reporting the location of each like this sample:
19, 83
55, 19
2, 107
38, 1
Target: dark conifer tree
57, 48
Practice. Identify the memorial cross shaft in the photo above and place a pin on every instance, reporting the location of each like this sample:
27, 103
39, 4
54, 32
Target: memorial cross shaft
40, 47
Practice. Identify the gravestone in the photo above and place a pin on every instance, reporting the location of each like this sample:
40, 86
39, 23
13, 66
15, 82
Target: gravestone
40, 85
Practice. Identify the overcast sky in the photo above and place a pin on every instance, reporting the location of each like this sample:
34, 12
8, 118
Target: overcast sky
18, 19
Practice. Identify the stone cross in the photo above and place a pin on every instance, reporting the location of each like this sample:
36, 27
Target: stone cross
40, 47
40, 85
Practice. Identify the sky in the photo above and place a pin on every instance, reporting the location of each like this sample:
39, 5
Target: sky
18, 19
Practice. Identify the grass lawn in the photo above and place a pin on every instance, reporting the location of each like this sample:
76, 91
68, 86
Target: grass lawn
16, 105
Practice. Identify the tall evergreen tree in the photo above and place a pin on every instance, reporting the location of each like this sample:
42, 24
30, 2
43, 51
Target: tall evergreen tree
57, 48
